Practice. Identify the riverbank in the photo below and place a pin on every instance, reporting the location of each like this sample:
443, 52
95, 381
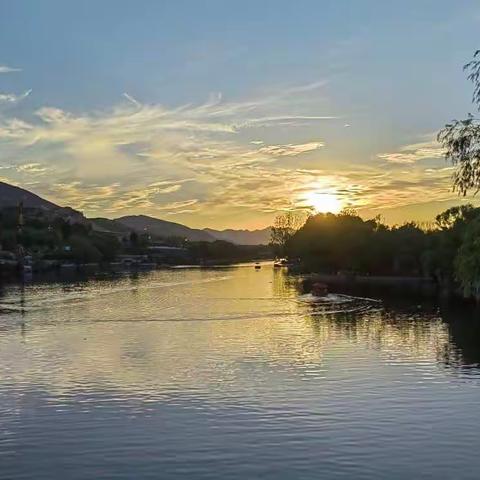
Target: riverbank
68, 271
390, 285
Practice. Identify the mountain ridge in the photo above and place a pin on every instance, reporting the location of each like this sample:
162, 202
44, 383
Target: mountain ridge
259, 236
11, 196
163, 228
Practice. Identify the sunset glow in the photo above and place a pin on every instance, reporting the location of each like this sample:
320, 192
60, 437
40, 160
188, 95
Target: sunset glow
220, 133
324, 202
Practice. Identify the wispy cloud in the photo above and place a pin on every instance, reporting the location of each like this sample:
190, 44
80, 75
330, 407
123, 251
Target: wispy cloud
415, 152
7, 69
32, 168
132, 100
14, 129
289, 149
200, 162
286, 120
13, 98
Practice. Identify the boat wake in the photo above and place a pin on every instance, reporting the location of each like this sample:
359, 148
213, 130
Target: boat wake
334, 303
79, 295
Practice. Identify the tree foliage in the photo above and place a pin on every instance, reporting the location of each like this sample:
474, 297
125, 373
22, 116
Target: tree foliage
455, 216
284, 227
448, 253
461, 139
467, 261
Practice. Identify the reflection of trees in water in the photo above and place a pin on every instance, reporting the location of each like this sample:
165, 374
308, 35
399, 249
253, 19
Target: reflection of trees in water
397, 336
284, 285
269, 337
415, 326
464, 328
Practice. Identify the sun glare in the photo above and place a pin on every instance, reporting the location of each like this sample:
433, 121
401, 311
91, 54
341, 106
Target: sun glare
324, 202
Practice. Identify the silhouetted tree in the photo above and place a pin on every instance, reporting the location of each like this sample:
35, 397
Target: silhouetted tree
133, 238
283, 229
455, 216
83, 251
467, 261
108, 245
461, 139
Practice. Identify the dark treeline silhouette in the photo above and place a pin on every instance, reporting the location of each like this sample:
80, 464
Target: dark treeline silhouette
50, 239
447, 252
46, 235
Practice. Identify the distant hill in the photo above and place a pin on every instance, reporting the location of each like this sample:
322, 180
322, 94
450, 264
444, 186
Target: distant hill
109, 226
11, 196
242, 237
162, 228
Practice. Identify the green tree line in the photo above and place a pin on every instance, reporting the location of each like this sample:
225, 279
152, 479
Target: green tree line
448, 251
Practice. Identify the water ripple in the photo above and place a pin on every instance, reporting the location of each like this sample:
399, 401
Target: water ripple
192, 373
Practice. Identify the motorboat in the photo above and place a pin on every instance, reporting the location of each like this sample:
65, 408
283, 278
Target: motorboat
319, 289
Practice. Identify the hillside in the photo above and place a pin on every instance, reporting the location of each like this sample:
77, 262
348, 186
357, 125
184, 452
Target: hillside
242, 237
109, 226
162, 228
11, 196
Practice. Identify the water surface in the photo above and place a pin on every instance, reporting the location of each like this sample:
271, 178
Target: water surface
232, 373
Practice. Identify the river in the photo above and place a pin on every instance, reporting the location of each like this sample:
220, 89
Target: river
232, 373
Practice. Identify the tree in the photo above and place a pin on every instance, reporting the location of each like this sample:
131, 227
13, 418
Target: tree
83, 251
108, 245
329, 243
408, 242
283, 229
455, 216
461, 139
467, 261
133, 238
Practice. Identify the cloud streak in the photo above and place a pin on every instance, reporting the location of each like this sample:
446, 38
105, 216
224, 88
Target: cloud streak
289, 149
13, 98
208, 164
413, 153
7, 69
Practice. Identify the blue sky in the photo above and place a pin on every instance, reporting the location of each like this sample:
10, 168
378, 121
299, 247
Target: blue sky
223, 113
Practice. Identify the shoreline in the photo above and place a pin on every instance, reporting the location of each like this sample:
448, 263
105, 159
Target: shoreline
69, 271
423, 287
392, 286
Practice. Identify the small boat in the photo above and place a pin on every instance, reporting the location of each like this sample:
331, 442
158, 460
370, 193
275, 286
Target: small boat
319, 289
281, 263
257, 266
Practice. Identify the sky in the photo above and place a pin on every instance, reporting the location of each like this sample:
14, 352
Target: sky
224, 114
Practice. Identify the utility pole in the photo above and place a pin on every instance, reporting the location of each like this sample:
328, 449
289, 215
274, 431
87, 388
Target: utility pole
20, 225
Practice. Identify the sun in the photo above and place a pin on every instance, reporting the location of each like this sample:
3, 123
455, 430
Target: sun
324, 202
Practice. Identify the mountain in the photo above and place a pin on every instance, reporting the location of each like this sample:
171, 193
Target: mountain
11, 196
242, 237
162, 228
105, 225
